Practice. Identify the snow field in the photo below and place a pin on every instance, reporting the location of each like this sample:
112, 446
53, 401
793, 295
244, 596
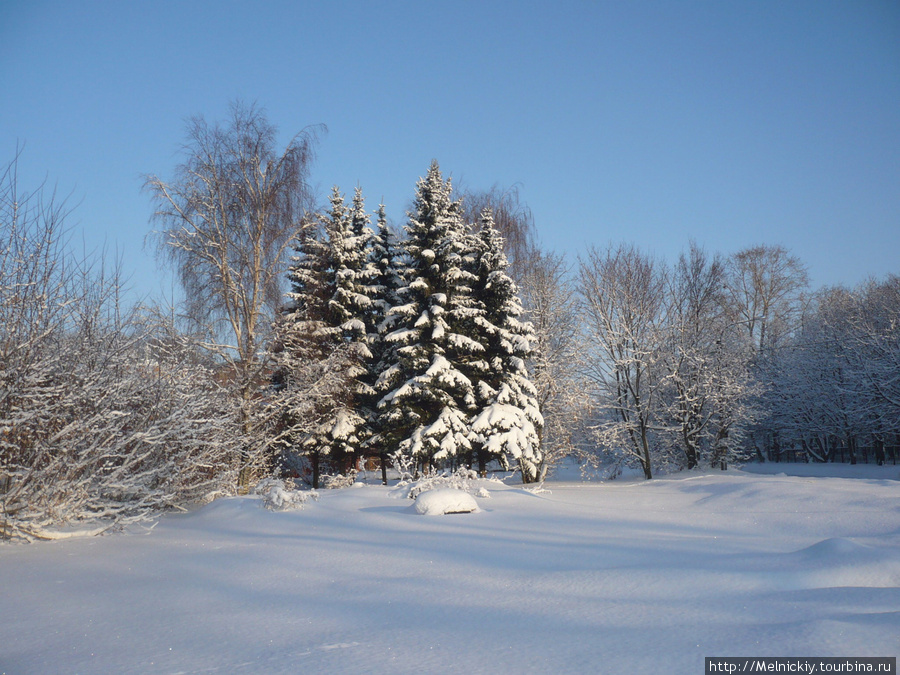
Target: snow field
620, 577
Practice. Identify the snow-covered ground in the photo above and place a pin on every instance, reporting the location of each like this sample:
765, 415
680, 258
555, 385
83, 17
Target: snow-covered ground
615, 577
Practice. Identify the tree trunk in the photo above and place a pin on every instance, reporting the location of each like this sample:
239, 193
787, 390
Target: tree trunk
315, 467
879, 452
482, 464
690, 449
645, 459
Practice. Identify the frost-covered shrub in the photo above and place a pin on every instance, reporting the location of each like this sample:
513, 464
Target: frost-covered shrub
279, 495
340, 481
107, 416
462, 479
104, 429
405, 466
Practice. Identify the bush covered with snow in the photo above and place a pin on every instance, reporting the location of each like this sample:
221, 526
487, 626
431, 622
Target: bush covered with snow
108, 415
462, 479
279, 495
339, 481
444, 501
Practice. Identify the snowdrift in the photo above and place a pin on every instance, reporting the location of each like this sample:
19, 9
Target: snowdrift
599, 577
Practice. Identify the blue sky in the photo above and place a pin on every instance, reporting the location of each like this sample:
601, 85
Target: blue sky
730, 123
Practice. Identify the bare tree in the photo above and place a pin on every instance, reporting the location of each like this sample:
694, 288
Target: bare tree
624, 299
705, 356
877, 352
765, 287
227, 219
696, 308
512, 219
766, 296
553, 307
837, 392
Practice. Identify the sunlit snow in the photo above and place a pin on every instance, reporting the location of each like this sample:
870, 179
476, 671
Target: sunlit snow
445, 501
614, 577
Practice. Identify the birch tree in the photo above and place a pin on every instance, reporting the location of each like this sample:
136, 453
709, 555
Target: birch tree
512, 219
765, 286
227, 218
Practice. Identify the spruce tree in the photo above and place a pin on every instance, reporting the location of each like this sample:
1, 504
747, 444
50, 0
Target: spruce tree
429, 401
301, 335
508, 421
331, 287
385, 257
349, 237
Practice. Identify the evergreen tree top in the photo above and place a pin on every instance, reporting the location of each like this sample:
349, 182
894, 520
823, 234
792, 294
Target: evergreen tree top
434, 210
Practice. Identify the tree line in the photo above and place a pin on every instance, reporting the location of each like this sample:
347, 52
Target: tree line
716, 359
309, 339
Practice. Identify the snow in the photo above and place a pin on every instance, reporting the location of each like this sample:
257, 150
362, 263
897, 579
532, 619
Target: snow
344, 425
444, 501
614, 577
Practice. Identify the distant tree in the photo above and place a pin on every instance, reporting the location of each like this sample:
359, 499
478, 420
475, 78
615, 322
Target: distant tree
835, 393
812, 400
227, 219
766, 295
765, 286
625, 303
709, 387
876, 341
511, 217
557, 360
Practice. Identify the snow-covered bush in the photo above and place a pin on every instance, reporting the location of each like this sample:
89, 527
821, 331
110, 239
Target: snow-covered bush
462, 479
443, 501
280, 495
107, 416
102, 428
340, 481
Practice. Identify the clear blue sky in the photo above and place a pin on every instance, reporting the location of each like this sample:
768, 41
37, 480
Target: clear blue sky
730, 123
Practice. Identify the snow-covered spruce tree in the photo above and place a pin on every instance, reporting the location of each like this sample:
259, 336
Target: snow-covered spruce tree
331, 309
508, 421
428, 401
386, 257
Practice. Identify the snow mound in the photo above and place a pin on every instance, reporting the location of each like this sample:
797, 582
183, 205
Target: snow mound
838, 562
829, 548
443, 501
